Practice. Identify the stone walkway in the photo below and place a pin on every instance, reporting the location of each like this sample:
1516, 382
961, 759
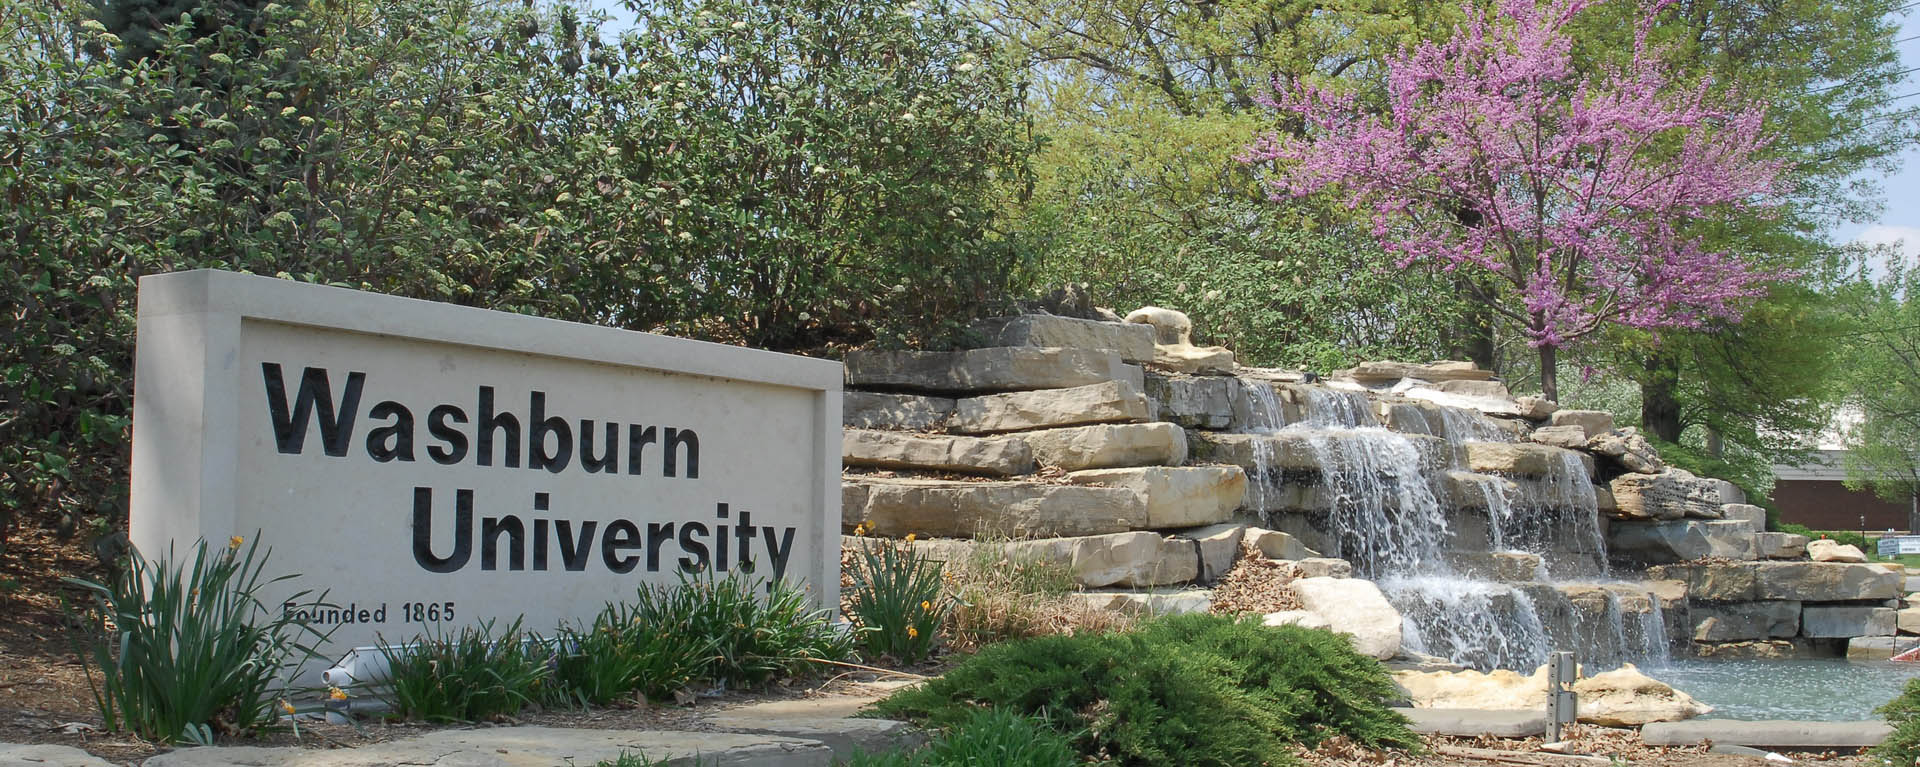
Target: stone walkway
788, 733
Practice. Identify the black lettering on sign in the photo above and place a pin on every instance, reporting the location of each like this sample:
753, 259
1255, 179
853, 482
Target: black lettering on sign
314, 398
423, 531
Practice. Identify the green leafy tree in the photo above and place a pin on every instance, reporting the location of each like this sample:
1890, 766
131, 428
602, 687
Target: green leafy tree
1883, 381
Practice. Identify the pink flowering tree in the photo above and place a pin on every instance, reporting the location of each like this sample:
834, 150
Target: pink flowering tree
1570, 193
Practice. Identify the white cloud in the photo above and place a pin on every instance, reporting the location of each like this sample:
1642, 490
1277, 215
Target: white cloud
1904, 240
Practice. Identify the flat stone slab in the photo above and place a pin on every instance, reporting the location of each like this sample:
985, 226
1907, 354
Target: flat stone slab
877, 410
1472, 722
1006, 368
1127, 560
1108, 402
1672, 494
525, 747
1522, 459
953, 509
1131, 341
1774, 734
1075, 448
1177, 496
44, 755
828, 719
998, 456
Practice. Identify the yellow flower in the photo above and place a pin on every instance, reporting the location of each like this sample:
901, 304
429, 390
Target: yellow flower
285, 706
913, 633
233, 544
909, 537
926, 605
336, 693
860, 529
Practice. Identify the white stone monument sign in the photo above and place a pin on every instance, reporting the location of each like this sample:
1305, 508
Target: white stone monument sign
430, 465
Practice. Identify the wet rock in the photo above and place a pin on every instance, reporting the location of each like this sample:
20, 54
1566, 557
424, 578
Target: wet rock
1520, 459
1002, 456
1131, 342
925, 507
1875, 648
1177, 496
874, 410
1007, 368
1829, 550
1194, 402
1107, 446
1107, 402
1304, 451
1467, 490
1502, 566
1356, 608
1846, 621
1680, 540
1672, 494
1740, 621
1765, 649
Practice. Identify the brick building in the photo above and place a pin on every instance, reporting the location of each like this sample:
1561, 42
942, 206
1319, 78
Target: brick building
1814, 494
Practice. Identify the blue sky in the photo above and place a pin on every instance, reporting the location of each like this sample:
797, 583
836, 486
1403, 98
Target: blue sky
1900, 220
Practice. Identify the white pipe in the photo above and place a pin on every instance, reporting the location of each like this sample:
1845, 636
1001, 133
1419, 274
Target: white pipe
361, 666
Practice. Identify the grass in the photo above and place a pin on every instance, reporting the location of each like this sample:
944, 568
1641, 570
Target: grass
1000, 595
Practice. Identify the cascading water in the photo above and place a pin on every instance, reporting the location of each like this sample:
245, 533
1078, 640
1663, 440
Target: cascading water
1264, 417
1384, 515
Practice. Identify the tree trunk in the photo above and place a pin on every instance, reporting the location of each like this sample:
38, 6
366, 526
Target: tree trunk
1660, 397
1549, 373
1472, 339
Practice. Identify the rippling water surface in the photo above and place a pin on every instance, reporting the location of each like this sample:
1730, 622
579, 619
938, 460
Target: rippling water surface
1809, 690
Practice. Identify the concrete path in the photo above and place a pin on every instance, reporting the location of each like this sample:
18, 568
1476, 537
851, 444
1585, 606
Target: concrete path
1767, 734
12, 755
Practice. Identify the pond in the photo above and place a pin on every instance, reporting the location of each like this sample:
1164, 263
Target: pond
1827, 689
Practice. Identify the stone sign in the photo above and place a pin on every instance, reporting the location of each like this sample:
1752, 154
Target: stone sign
430, 466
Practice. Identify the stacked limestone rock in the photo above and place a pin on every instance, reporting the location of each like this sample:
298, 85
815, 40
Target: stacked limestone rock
1063, 454
1126, 452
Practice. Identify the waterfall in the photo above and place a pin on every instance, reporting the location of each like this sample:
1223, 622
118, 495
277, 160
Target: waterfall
1329, 408
1264, 417
1462, 425
1477, 624
1559, 520
1385, 514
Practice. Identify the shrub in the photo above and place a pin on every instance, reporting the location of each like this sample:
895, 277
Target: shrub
191, 650
619, 654
998, 596
1902, 746
475, 674
896, 601
1196, 689
989, 736
756, 638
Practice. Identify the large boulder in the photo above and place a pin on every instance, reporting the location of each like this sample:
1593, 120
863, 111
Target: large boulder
1737, 621
1106, 402
1672, 494
877, 410
1628, 449
1217, 546
1743, 511
1274, 544
1624, 697
1565, 437
1356, 608
1847, 621
1715, 581
1003, 456
1196, 402
951, 509
1592, 422
1829, 550
1105, 446
1823, 581
1659, 543
1131, 342
1173, 347
1780, 545
1177, 496
1006, 368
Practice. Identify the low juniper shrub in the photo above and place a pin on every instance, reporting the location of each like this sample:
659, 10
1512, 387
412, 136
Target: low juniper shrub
988, 737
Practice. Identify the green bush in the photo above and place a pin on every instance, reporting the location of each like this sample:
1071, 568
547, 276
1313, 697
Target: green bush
618, 654
989, 737
1843, 537
475, 674
760, 629
191, 650
1902, 746
897, 600
1194, 689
